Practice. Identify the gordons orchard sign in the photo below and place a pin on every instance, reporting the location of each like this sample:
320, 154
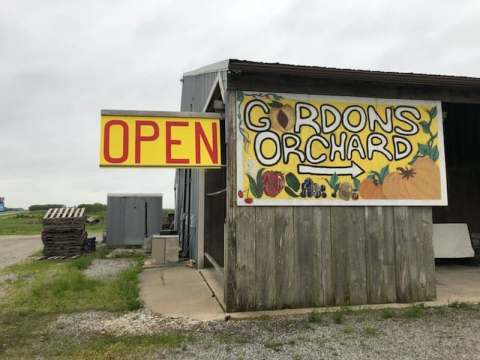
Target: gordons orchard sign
323, 150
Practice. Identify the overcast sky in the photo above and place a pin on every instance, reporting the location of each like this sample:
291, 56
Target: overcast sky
62, 61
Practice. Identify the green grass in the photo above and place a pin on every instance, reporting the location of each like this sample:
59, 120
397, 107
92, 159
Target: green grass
233, 339
462, 306
371, 331
414, 311
45, 289
348, 330
29, 336
338, 316
50, 287
30, 223
274, 345
26, 223
315, 317
388, 313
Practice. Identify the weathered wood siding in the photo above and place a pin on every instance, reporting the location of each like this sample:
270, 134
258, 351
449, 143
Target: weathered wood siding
285, 257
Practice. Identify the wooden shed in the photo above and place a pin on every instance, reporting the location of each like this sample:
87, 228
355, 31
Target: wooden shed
273, 257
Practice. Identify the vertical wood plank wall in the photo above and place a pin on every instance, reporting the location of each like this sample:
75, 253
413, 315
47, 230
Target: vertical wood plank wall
286, 257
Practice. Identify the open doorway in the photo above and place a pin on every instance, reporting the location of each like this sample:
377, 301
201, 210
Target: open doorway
215, 206
461, 132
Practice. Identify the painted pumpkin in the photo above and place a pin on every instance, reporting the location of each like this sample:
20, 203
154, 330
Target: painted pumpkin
282, 118
371, 189
421, 181
273, 182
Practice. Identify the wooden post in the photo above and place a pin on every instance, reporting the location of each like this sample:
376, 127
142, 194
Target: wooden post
201, 219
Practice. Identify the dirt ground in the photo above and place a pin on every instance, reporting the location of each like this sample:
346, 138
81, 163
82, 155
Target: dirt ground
16, 248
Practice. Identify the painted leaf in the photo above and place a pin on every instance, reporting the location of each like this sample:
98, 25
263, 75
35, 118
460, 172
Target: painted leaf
290, 192
434, 154
424, 149
334, 179
383, 173
425, 127
254, 188
356, 183
276, 104
260, 181
433, 112
292, 181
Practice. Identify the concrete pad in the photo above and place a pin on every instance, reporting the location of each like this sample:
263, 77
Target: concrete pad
215, 282
458, 283
183, 292
179, 291
455, 283
18, 247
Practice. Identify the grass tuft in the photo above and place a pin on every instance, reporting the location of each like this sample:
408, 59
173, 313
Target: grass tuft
274, 345
371, 331
315, 317
81, 263
414, 312
338, 316
388, 313
127, 286
461, 305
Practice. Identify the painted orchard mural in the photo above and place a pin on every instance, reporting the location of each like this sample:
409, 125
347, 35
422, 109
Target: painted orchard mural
324, 150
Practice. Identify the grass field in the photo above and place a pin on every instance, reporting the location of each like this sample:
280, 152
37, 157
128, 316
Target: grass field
30, 223
42, 290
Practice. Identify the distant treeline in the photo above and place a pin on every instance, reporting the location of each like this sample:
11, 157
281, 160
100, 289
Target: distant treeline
44, 207
96, 207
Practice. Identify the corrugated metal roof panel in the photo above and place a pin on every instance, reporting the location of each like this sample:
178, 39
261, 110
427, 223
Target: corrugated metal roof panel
357, 75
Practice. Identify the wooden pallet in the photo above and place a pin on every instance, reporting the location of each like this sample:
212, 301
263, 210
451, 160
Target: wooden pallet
63, 232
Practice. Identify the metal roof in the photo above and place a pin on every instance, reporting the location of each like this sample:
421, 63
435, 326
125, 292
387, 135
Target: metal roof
355, 75
135, 195
329, 73
215, 67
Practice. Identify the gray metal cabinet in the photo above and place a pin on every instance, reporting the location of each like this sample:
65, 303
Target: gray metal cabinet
132, 217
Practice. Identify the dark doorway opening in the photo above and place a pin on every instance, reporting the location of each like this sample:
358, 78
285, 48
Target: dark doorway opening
462, 137
215, 202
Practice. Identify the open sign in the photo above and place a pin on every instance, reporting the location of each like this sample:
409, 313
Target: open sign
159, 139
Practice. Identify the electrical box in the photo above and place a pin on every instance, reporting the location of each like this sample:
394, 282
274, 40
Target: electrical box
133, 217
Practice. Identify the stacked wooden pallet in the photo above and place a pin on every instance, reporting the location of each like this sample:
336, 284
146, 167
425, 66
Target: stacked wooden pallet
63, 232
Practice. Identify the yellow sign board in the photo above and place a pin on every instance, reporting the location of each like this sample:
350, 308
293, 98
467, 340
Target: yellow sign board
159, 139
325, 150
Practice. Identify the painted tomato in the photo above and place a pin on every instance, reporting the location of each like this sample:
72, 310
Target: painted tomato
273, 182
421, 181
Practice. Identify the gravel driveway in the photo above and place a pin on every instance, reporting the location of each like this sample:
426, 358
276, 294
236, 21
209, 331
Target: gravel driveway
442, 333
15, 248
